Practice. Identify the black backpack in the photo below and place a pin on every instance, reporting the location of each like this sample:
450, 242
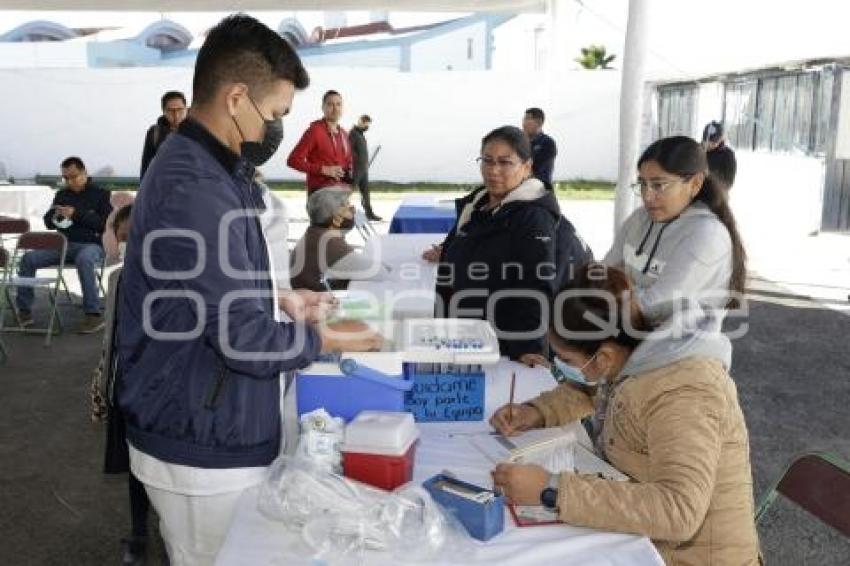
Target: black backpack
571, 253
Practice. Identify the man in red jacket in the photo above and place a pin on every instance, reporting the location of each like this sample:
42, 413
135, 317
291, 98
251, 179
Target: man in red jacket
324, 151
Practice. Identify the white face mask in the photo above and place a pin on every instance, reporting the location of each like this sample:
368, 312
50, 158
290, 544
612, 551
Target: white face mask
122, 250
63, 224
562, 371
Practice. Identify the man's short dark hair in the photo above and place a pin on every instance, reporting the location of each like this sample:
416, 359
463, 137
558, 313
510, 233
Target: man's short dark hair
713, 132
536, 114
366, 118
122, 216
328, 94
171, 95
241, 49
75, 161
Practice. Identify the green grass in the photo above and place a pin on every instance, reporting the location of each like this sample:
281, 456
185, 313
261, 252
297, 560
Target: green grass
578, 189
585, 190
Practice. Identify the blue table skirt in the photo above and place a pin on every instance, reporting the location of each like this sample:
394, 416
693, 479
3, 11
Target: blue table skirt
422, 220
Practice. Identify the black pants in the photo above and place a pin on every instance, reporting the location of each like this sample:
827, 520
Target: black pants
116, 461
361, 183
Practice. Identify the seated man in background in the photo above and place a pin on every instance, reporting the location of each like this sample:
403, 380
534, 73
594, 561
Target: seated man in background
323, 252
79, 212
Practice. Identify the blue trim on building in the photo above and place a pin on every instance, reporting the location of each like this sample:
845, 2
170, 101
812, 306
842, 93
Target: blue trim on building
132, 51
494, 20
491, 21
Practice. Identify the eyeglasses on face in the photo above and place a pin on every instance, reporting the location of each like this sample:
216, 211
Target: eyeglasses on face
658, 186
501, 163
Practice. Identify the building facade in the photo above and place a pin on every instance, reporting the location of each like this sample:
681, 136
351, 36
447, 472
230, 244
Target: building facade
785, 119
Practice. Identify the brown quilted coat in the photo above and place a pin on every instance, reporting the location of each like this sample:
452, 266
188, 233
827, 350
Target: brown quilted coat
679, 433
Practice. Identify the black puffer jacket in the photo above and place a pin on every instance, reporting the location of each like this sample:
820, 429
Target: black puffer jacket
505, 265
153, 139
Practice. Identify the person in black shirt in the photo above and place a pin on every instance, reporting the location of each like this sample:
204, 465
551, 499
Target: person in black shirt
79, 212
174, 111
543, 148
360, 163
721, 158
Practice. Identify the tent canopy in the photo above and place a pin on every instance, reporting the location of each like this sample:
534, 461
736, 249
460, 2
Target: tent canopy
513, 6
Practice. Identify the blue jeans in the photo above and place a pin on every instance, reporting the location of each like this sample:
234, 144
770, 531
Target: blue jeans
87, 257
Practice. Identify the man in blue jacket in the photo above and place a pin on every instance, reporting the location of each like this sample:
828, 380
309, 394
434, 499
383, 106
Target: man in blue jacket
201, 341
544, 150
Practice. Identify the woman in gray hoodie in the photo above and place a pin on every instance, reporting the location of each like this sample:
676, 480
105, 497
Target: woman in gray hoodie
682, 247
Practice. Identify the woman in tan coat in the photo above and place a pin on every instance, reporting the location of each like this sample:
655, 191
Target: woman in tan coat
661, 408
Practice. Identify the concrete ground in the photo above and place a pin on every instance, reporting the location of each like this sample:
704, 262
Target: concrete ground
56, 507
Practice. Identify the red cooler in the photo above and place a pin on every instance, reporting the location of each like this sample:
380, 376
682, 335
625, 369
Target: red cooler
379, 448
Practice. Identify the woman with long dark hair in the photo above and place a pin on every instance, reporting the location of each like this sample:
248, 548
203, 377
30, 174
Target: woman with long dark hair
661, 408
683, 244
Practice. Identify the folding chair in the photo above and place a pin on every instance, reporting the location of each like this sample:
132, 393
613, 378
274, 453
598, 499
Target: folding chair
10, 229
820, 484
36, 241
99, 273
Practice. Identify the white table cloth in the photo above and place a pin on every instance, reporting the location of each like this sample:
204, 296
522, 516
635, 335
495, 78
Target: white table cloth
26, 201
256, 540
408, 290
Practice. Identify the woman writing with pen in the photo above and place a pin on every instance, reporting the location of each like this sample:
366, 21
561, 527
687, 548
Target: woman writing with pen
661, 407
509, 250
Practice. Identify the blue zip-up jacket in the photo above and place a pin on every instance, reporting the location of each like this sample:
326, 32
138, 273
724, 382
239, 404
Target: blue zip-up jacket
195, 303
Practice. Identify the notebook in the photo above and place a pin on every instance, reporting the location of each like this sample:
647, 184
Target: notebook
556, 449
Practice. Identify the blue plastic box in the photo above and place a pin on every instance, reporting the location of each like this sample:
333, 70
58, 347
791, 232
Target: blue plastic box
355, 388
482, 521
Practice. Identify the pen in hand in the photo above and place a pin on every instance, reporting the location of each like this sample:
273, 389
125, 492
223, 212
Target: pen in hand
511, 400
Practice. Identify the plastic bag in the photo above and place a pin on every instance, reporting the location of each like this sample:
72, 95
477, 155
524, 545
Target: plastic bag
321, 435
341, 519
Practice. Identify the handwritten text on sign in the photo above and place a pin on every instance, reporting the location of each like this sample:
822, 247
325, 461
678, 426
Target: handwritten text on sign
446, 397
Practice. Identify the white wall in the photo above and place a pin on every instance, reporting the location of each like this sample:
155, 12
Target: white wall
449, 50
777, 197
99, 114
429, 124
709, 106
45, 54
387, 57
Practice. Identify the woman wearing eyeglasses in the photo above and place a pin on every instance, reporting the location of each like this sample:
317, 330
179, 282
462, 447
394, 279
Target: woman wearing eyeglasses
683, 244
661, 408
510, 248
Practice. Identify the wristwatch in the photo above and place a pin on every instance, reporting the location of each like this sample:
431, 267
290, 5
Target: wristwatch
549, 498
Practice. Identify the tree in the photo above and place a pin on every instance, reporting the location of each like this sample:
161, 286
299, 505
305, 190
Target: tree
595, 57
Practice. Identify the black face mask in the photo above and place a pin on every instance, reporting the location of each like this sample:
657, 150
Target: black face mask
257, 153
346, 224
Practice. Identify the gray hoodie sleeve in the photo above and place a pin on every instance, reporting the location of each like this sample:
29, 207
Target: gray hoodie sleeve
614, 257
697, 267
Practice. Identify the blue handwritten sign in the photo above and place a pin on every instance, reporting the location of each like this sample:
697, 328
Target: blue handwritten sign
446, 397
